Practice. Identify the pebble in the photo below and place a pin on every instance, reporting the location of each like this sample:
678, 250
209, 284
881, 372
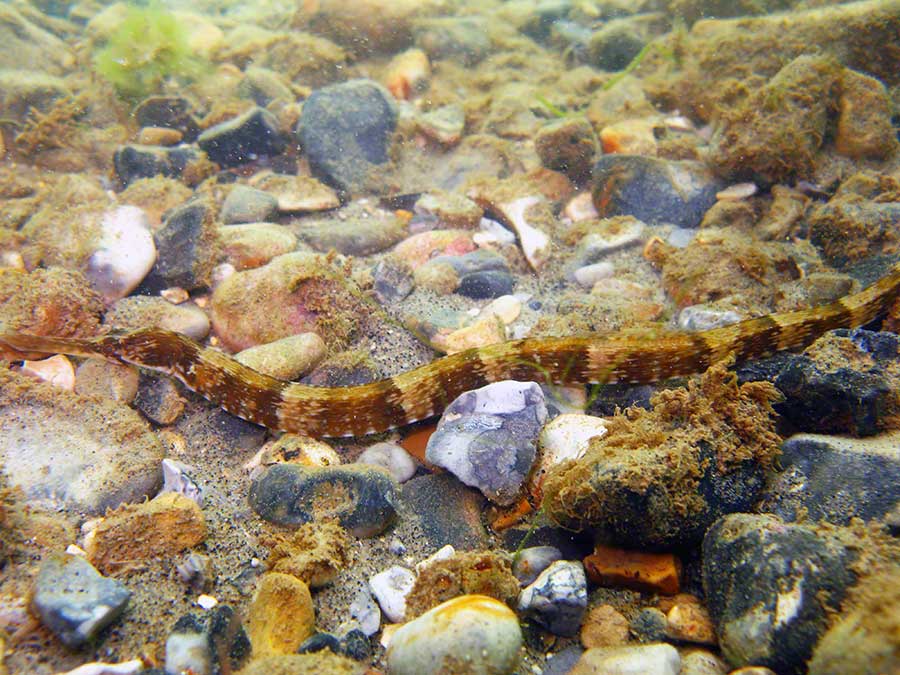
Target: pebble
73, 600
700, 317
658, 659
864, 128
57, 370
656, 191
392, 281
171, 112
391, 457
650, 625
738, 191
72, 451
443, 553
444, 124
461, 39
246, 204
291, 495
487, 438
159, 136
690, 622
567, 437
641, 570
285, 359
357, 232
588, 275
366, 612
390, 589
242, 139
530, 562
470, 634
115, 381
604, 626
631, 137
167, 524
297, 194
419, 248
133, 162
96, 668
198, 644
186, 246
177, 480
769, 586
836, 478
158, 398
534, 242
408, 74
345, 132
567, 145
281, 615
557, 599
142, 311
489, 284
297, 449
254, 244
702, 662
123, 255
606, 236
613, 46
448, 511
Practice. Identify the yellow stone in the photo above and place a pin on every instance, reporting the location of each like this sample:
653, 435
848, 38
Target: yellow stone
281, 615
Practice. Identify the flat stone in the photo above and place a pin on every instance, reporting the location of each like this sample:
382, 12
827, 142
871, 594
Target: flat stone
448, 511
248, 205
659, 659
242, 139
74, 600
186, 246
132, 162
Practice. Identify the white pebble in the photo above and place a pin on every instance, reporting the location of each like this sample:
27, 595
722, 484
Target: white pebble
124, 255
97, 668
588, 275
737, 192
535, 243
57, 370
659, 659
390, 589
444, 553
392, 457
207, 601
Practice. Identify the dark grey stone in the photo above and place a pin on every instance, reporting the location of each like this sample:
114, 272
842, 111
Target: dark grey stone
615, 45
169, 112
245, 204
243, 139
345, 132
216, 638
836, 478
557, 599
769, 587
74, 600
291, 495
179, 244
319, 641
483, 285
650, 625
448, 511
393, 281
132, 162
653, 190
481, 260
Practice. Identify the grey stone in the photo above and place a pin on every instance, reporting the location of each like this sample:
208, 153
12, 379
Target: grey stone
770, 587
448, 511
208, 644
291, 495
182, 243
243, 138
530, 562
132, 162
248, 205
462, 39
484, 285
615, 45
557, 599
74, 600
345, 132
168, 112
487, 437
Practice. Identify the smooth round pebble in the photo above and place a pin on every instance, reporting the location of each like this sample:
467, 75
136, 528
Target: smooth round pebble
659, 659
392, 457
248, 205
588, 275
287, 358
124, 253
487, 284
143, 311
390, 589
253, 244
468, 635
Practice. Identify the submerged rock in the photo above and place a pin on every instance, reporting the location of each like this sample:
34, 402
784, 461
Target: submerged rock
242, 139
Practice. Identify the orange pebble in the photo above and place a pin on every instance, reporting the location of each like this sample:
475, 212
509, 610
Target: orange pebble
512, 516
416, 442
408, 74
653, 572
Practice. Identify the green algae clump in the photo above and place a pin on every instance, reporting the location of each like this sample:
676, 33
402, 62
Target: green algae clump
148, 47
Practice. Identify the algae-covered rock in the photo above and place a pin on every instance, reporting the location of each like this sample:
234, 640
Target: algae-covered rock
660, 477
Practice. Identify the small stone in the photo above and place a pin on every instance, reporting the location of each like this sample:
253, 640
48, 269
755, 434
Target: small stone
659, 659
361, 498
482, 285
242, 139
631, 137
167, 524
487, 437
158, 398
701, 317
206, 644
650, 625
187, 246
248, 205
391, 457
474, 630
614, 46
557, 599
298, 449
565, 437
159, 136
115, 381
298, 194
177, 480
738, 191
392, 282
207, 602
581, 208
254, 244
74, 601
606, 236
123, 255
314, 553
345, 132
133, 162
588, 275
285, 359
171, 112
702, 662
681, 191
462, 39
652, 572
319, 641
408, 74
690, 622
365, 610
57, 370
603, 626
264, 86
864, 128
444, 125
420, 248
197, 572
390, 589
567, 145
131, 667
530, 562
281, 615
355, 645
448, 511
138, 312
534, 242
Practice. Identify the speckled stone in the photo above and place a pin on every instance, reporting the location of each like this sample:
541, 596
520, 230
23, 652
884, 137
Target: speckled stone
74, 600
245, 204
557, 599
361, 497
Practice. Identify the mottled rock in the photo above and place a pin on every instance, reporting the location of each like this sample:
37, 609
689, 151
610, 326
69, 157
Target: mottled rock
530, 562
487, 438
557, 599
641, 570
354, 233
315, 552
345, 132
242, 139
187, 246
864, 122
462, 39
281, 615
170, 112
448, 511
567, 145
604, 626
835, 478
770, 587
254, 244
489, 284
652, 190
207, 644
361, 498
141, 311
74, 601
287, 358
474, 630
245, 204
702, 662
298, 194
